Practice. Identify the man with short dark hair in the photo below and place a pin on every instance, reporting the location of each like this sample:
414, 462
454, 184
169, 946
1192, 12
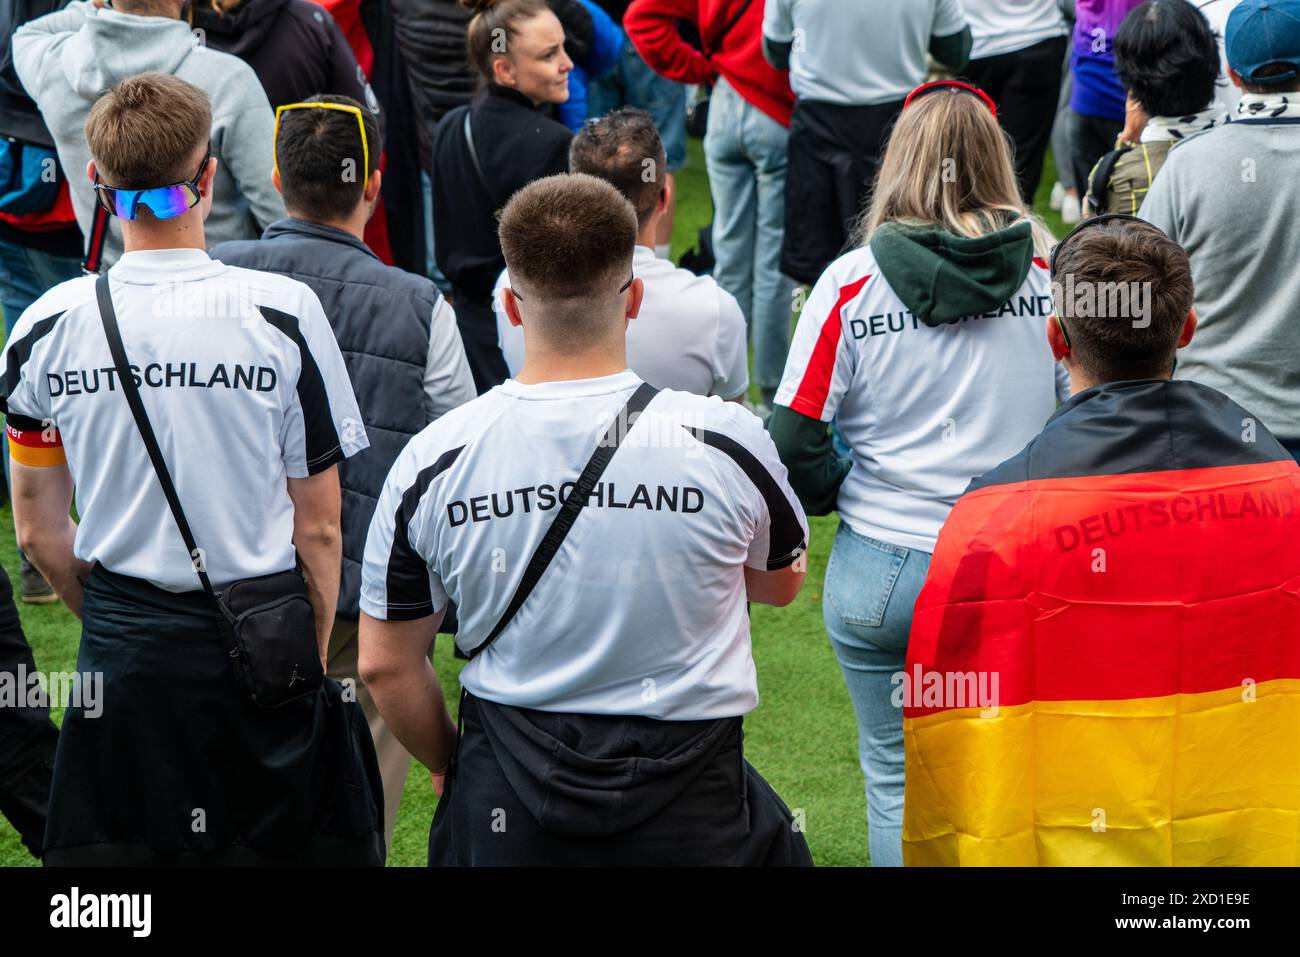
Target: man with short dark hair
600, 540
1122, 594
66, 59
690, 333
397, 333
1229, 197
239, 380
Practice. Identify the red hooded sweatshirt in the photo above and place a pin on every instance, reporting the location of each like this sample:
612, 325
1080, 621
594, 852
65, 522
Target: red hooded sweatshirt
735, 48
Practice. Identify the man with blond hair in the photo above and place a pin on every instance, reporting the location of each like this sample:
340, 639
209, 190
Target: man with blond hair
200, 412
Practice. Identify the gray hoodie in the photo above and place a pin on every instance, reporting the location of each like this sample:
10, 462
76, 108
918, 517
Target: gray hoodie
68, 58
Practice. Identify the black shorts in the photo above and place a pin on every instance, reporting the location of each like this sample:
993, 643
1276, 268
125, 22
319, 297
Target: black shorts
179, 767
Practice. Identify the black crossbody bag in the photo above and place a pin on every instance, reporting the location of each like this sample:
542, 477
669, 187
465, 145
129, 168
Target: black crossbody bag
267, 623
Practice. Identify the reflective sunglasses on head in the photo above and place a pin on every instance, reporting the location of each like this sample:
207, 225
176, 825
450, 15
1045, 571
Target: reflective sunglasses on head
339, 107
925, 88
165, 202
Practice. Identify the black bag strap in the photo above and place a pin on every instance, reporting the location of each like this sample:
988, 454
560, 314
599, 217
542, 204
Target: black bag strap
132, 393
568, 513
98, 234
712, 45
1098, 192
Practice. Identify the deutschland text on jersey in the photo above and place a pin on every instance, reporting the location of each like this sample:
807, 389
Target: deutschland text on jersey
238, 371
642, 611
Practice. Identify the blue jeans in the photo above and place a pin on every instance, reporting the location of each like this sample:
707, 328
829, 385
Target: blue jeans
25, 275
746, 154
871, 588
633, 83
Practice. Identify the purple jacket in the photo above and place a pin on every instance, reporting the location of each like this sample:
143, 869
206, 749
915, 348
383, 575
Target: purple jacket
1097, 91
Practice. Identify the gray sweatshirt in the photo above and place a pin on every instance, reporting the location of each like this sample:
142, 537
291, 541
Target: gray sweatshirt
1231, 198
68, 58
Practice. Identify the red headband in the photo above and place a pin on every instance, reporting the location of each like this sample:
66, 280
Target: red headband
925, 88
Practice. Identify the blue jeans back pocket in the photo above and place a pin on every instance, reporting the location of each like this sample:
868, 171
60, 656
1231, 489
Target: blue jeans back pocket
861, 575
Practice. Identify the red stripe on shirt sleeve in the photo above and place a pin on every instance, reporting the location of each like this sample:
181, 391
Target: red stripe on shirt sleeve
1040, 262
810, 399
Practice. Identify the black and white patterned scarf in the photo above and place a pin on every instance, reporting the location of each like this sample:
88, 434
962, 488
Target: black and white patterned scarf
1273, 106
1171, 129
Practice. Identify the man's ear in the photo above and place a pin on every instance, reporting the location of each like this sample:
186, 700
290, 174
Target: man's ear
1235, 77
373, 185
635, 296
1055, 338
275, 180
205, 181
666, 195
511, 306
1189, 329
90, 170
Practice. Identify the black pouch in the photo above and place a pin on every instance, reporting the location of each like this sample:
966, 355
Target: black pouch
267, 623
270, 630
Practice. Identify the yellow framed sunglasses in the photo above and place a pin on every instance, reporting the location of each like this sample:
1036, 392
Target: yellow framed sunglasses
340, 107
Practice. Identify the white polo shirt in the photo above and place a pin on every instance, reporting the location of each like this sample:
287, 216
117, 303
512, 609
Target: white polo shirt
1005, 26
689, 335
643, 609
923, 409
855, 53
242, 381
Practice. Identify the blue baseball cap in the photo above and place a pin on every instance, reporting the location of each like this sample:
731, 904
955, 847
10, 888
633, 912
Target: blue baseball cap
1261, 33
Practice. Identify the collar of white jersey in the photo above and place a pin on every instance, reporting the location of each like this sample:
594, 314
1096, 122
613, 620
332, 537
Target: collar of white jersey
647, 264
154, 266
572, 388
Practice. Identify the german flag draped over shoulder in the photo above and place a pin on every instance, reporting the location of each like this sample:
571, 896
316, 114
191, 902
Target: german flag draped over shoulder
1104, 664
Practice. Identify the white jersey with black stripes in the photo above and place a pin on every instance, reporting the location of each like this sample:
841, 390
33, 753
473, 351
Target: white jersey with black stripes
643, 609
243, 381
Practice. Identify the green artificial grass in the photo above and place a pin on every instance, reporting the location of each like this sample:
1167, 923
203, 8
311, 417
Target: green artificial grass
802, 737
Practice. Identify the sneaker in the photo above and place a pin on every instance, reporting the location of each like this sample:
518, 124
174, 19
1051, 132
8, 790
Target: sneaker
35, 589
1058, 196
1070, 210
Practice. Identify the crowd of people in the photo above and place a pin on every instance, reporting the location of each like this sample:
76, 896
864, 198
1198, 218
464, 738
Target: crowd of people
346, 323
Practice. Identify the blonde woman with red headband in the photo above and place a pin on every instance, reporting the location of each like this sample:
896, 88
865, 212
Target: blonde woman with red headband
925, 346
